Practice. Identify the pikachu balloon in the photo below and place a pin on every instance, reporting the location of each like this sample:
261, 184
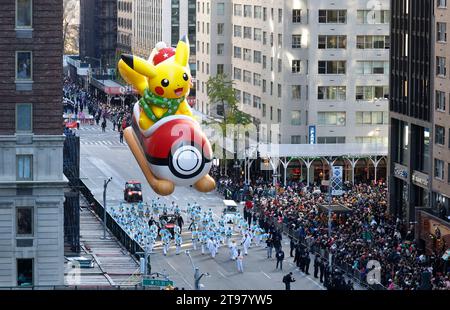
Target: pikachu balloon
165, 139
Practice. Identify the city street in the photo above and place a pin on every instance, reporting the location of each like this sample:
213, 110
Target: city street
102, 156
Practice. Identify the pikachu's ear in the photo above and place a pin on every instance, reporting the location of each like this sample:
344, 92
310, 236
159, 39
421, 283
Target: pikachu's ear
139, 65
182, 52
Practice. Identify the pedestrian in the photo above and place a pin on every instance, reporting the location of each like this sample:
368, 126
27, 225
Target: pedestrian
280, 258
322, 269
307, 263
316, 265
292, 245
240, 261
114, 123
104, 125
269, 243
287, 280
180, 221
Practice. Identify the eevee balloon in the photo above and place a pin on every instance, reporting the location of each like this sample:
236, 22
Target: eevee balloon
165, 139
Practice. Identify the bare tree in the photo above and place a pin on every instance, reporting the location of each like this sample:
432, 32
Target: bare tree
70, 26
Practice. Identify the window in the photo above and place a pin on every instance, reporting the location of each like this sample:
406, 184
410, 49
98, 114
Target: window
247, 54
24, 13
331, 118
247, 32
257, 36
247, 76
440, 101
237, 31
247, 11
24, 66
440, 66
264, 14
24, 167
332, 42
264, 110
438, 169
280, 65
439, 135
372, 42
332, 16
220, 28
220, 48
296, 41
372, 67
24, 117
371, 118
296, 66
296, 118
264, 61
24, 217
237, 74
442, 4
256, 102
280, 40
372, 140
220, 68
279, 91
24, 272
372, 93
257, 57
296, 92
337, 93
257, 11
441, 35
296, 139
237, 10
330, 140
237, 94
373, 17
264, 37
280, 15
264, 86
247, 98
237, 52
296, 16
332, 67
220, 9
256, 79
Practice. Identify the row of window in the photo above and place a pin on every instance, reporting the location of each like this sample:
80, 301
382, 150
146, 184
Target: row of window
125, 6
362, 118
363, 93
439, 170
124, 23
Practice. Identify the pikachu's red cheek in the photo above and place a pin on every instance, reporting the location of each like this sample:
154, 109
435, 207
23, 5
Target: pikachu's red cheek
159, 90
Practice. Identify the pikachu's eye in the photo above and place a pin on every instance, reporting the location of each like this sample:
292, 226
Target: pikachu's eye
185, 77
165, 82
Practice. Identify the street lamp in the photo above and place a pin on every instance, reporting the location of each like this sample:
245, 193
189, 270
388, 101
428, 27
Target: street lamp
105, 185
197, 275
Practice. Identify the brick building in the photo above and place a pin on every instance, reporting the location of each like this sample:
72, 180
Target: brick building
31, 143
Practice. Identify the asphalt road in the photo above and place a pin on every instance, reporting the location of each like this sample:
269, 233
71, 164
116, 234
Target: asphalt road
102, 156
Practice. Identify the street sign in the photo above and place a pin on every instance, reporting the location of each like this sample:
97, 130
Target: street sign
155, 282
312, 134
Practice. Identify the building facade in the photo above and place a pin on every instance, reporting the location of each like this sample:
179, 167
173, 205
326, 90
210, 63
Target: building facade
411, 107
31, 144
441, 113
124, 26
98, 32
301, 66
160, 20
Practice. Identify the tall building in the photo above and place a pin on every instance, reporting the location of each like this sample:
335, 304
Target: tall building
98, 31
411, 107
441, 114
300, 66
124, 26
162, 20
31, 144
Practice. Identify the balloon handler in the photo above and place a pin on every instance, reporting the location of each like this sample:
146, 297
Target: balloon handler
165, 139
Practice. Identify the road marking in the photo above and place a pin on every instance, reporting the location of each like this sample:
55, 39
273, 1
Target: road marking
221, 274
317, 284
266, 274
176, 198
179, 274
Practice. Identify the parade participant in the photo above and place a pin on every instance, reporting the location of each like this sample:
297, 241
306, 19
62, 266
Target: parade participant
178, 242
240, 261
195, 236
258, 235
151, 242
177, 230
166, 243
212, 247
155, 209
164, 209
246, 243
228, 234
204, 240
269, 243
233, 250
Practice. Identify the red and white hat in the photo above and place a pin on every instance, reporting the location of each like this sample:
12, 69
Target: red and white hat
162, 53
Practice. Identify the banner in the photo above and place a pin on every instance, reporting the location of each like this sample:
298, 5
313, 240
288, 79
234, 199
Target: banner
337, 181
312, 135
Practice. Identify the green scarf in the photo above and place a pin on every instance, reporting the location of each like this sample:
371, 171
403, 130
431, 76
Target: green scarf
150, 99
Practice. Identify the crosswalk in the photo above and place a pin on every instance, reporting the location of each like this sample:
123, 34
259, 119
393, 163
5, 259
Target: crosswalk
103, 143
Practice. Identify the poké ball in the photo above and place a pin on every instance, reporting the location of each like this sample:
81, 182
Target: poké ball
177, 150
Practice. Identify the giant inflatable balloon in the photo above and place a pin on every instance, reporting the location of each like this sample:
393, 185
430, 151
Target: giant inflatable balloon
165, 139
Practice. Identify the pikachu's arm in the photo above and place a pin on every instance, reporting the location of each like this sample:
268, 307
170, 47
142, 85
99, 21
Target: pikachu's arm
185, 109
132, 77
